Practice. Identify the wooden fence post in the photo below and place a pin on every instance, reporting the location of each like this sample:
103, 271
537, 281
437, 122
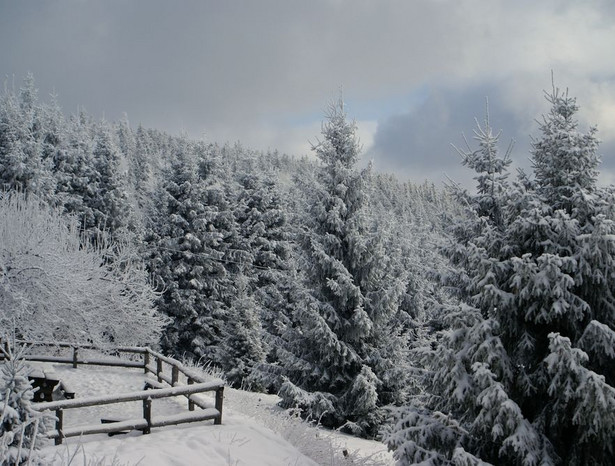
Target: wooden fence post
146, 361
75, 355
190, 402
159, 369
147, 414
174, 375
219, 399
59, 427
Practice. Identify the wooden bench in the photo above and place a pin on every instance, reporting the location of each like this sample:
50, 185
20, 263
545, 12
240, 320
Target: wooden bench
43, 385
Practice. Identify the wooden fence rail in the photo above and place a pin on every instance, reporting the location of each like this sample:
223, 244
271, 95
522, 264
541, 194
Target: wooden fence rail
164, 386
77, 358
146, 422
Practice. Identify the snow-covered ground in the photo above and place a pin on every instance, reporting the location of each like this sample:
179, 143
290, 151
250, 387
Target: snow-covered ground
254, 431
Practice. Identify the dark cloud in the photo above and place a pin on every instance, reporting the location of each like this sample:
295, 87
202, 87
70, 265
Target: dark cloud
418, 144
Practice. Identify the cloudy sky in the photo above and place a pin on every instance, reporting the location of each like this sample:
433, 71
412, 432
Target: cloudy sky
414, 73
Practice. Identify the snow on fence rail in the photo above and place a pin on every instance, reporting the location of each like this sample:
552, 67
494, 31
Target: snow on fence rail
164, 386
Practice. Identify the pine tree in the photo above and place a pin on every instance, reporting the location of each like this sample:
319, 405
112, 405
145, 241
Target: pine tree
242, 345
182, 261
108, 197
510, 365
332, 367
565, 160
20, 424
22, 165
265, 235
74, 171
141, 166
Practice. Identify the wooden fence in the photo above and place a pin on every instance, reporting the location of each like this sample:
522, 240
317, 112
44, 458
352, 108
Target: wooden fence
181, 381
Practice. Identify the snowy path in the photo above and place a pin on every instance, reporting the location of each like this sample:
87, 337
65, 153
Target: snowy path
247, 437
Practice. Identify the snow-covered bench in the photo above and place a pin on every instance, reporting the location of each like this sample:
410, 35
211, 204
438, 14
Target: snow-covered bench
43, 385
47, 386
66, 390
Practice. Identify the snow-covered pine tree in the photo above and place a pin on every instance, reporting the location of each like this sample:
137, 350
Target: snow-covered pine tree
265, 233
108, 196
432, 429
565, 291
74, 170
53, 143
510, 366
20, 424
199, 258
182, 243
141, 167
332, 365
242, 345
21, 157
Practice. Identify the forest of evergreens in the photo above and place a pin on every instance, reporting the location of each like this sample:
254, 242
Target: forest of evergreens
460, 327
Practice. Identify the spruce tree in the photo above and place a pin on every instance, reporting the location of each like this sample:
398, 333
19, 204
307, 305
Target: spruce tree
265, 235
524, 366
332, 365
22, 165
242, 344
198, 255
182, 241
108, 197
20, 424
74, 171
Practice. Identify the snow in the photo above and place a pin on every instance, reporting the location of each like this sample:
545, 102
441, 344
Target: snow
235, 443
253, 430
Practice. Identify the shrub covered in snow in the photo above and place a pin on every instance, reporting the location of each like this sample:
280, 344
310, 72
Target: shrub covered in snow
54, 285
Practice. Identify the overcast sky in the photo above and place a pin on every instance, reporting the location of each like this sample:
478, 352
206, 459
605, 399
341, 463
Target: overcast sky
414, 74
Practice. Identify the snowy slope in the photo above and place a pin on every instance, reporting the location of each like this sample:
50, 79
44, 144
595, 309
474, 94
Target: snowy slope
254, 431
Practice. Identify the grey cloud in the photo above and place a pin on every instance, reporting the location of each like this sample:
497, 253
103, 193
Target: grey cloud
230, 70
207, 63
418, 143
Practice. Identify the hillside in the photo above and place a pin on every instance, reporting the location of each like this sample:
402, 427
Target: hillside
254, 431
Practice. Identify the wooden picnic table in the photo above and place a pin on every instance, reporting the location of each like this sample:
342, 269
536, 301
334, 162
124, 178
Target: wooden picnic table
45, 383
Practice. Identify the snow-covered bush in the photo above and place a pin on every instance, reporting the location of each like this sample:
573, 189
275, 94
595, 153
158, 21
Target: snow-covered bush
56, 286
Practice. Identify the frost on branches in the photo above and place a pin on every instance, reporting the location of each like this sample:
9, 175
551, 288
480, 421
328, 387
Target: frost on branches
56, 286
20, 425
524, 365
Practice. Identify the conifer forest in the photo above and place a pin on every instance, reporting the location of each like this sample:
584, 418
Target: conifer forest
459, 326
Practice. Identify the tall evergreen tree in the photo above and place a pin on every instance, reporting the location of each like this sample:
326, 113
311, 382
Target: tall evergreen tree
74, 171
108, 197
22, 165
201, 261
265, 234
181, 240
332, 366
520, 374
